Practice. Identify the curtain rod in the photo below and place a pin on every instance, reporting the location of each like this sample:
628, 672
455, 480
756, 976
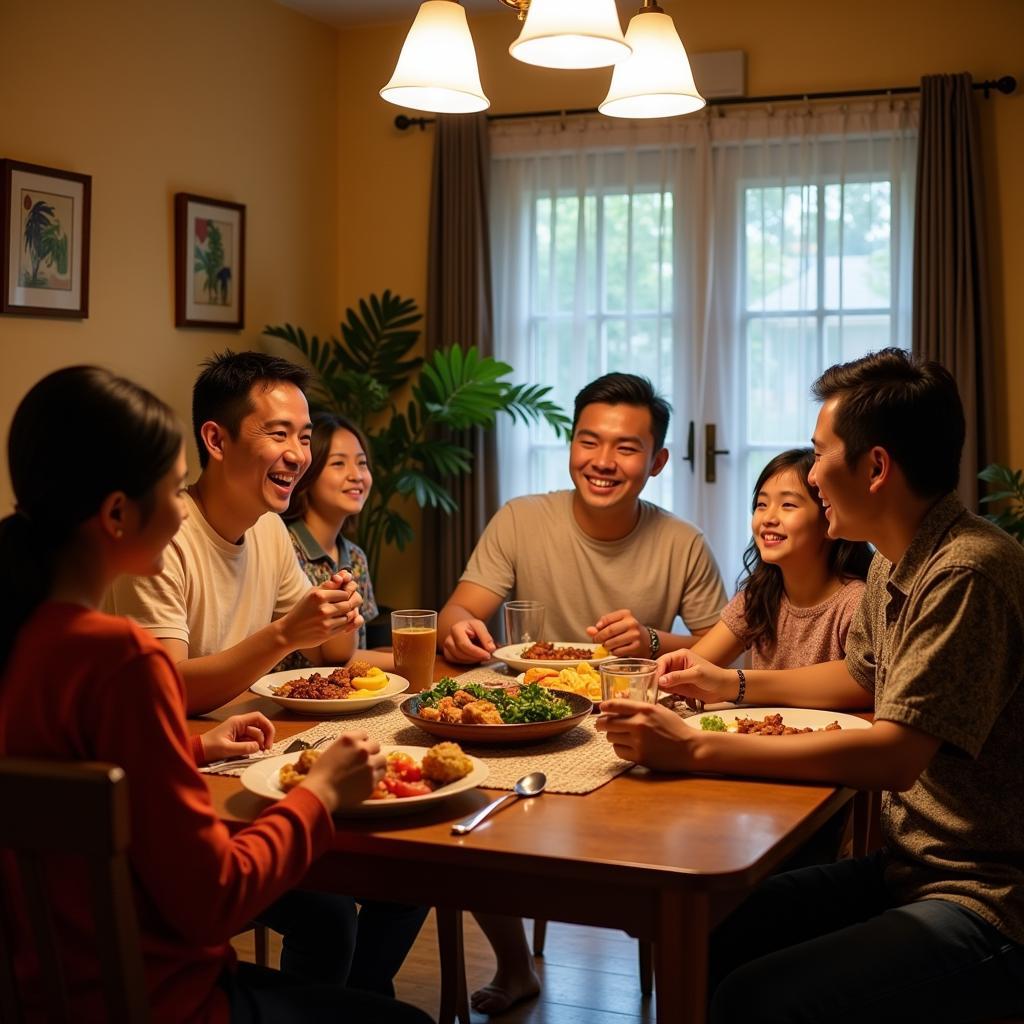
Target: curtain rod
1006, 85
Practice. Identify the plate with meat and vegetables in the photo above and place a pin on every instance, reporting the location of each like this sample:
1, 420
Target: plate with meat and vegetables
331, 690
522, 657
415, 777
471, 713
774, 721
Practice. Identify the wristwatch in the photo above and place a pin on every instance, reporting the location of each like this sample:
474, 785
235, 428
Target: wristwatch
655, 641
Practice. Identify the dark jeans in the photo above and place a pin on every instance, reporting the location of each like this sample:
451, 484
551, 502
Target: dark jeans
326, 940
258, 995
828, 944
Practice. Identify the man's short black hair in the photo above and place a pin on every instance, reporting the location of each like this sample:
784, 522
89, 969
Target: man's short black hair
909, 407
627, 389
223, 389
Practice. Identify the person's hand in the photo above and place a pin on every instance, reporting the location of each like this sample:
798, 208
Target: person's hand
648, 734
238, 736
322, 612
621, 634
690, 675
347, 771
468, 641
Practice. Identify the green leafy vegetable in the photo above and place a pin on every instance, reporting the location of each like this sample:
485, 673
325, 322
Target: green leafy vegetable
532, 703
712, 723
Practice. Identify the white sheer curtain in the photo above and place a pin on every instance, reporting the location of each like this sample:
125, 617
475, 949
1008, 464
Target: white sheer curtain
730, 258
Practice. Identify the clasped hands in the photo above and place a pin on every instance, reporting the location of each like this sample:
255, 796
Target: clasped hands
330, 608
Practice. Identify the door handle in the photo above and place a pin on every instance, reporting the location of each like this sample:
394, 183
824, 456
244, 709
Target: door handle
690, 457
710, 451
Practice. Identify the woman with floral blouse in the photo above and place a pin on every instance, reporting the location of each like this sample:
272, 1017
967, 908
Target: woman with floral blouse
334, 488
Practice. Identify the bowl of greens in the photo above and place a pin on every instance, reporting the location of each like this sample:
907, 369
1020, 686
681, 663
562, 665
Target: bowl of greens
471, 713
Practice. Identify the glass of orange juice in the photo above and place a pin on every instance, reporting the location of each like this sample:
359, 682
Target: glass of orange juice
414, 640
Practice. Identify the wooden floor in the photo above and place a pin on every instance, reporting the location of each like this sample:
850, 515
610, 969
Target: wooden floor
589, 975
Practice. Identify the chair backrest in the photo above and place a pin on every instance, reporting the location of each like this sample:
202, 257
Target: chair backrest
78, 810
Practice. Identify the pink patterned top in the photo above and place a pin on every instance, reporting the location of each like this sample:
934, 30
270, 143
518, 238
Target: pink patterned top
804, 636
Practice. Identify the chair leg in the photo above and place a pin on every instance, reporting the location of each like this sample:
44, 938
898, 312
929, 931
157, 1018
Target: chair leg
261, 944
644, 950
454, 996
540, 933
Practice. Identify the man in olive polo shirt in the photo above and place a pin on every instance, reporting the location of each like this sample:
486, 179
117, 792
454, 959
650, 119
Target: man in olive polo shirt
930, 927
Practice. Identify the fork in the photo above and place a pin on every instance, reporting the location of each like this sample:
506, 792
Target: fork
229, 763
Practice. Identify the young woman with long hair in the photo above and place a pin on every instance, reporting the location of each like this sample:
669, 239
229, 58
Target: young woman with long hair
800, 590
331, 492
77, 684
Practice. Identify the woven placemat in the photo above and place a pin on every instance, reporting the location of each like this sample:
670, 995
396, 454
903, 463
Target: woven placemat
575, 762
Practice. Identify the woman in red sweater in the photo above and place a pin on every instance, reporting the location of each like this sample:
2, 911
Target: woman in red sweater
80, 685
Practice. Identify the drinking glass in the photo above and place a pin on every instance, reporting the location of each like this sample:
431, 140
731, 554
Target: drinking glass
524, 622
414, 640
629, 678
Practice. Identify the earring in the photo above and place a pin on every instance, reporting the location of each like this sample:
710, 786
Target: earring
119, 532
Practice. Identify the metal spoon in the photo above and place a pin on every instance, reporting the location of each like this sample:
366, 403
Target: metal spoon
529, 785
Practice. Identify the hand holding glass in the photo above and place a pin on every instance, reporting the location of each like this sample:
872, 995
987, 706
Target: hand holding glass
629, 679
524, 622
414, 639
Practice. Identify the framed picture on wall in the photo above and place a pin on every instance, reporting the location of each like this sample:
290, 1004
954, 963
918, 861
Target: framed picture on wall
209, 262
44, 231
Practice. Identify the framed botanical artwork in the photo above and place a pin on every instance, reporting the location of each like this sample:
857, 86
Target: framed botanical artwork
209, 262
44, 231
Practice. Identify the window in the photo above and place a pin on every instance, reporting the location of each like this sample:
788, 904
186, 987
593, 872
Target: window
729, 259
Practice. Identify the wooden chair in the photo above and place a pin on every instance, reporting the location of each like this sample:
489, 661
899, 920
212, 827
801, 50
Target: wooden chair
80, 810
645, 961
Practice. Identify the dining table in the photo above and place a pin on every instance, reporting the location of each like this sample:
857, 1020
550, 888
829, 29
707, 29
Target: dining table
663, 857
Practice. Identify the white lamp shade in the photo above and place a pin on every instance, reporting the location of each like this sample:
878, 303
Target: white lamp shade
656, 81
571, 34
437, 67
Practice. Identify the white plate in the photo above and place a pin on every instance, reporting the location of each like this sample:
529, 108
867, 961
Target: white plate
510, 655
263, 779
798, 718
323, 708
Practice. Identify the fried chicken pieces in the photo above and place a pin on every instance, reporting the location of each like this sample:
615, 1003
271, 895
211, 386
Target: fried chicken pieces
462, 709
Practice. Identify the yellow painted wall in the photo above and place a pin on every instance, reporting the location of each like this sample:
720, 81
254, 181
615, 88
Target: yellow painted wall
791, 46
234, 99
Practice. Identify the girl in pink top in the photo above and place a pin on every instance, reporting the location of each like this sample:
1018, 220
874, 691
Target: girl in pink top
801, 590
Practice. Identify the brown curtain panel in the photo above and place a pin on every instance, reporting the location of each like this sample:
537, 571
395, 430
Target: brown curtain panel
459, 312
950, 315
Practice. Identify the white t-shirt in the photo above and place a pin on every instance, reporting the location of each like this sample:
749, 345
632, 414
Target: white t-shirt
533, 549
211, 593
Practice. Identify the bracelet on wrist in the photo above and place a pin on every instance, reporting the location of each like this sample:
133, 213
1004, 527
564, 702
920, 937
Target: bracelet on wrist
738, 699
655, 640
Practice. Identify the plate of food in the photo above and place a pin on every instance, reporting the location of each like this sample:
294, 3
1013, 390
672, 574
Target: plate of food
581, 678
523, 657
774, 721
416, 776
331, 691
471, 713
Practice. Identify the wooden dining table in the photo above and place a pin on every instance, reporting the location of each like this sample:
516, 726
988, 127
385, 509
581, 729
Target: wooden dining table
662, 857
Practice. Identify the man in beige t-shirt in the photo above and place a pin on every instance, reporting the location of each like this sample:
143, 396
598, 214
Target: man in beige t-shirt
607, 566
231, 600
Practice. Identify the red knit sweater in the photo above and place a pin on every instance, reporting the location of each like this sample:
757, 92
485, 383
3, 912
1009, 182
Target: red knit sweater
81, 685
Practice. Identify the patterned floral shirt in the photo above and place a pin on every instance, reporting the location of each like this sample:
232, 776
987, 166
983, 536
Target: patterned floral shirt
318, 565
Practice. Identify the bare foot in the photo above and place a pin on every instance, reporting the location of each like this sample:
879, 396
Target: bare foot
504, 992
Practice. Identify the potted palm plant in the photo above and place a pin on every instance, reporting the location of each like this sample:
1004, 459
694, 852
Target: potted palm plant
414, 447
1009, 486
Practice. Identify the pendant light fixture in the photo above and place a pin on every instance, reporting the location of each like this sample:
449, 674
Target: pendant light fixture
571, 34
656, 80
437, 67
